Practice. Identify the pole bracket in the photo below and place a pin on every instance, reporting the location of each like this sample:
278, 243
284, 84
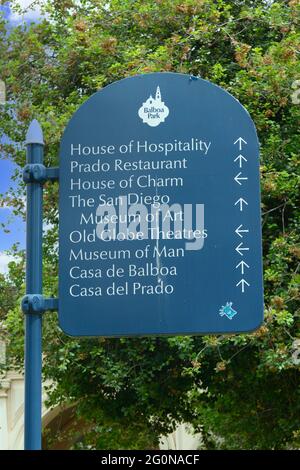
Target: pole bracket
37, 304
38, 173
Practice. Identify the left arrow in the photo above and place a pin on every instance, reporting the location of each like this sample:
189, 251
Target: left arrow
239, 178
240, 248
240, 230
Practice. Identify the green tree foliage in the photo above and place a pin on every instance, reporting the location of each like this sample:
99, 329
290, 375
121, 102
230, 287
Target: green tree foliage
242, 391
8, 294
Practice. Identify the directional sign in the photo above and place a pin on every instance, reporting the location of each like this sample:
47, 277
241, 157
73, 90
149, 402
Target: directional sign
160, 212
240, 141
239, 231
242, 264
238, 178
241, 203
240, 158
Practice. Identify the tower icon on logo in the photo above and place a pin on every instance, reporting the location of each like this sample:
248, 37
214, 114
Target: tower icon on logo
154, 111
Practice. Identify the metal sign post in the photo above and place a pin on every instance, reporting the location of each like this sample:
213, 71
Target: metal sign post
33, 321
34, 304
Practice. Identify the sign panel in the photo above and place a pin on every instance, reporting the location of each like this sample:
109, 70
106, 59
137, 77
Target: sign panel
160, 212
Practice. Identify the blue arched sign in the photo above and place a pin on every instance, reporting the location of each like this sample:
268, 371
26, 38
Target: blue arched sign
160, 227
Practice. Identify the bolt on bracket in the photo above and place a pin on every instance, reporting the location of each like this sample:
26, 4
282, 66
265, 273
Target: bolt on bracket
38, 173
37, 303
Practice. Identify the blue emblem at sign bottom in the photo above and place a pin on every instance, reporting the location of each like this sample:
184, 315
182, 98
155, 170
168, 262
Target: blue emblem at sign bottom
228, 311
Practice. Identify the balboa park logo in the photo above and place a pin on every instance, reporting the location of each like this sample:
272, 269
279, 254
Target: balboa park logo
154, 111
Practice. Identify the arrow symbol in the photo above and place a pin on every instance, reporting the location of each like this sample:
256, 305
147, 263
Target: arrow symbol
241, 201
239, 141
243, 283
239, 178
240, 158
239, 230
242, 264
241, 248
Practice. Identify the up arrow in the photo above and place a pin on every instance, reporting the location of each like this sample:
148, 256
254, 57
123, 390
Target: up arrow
242, 264
239, 141
241, 248
241, 201
240, 158
239, 230
239, 178
243, 283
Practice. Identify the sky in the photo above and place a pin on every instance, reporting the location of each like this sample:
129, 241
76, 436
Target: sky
32, 14
7, 168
